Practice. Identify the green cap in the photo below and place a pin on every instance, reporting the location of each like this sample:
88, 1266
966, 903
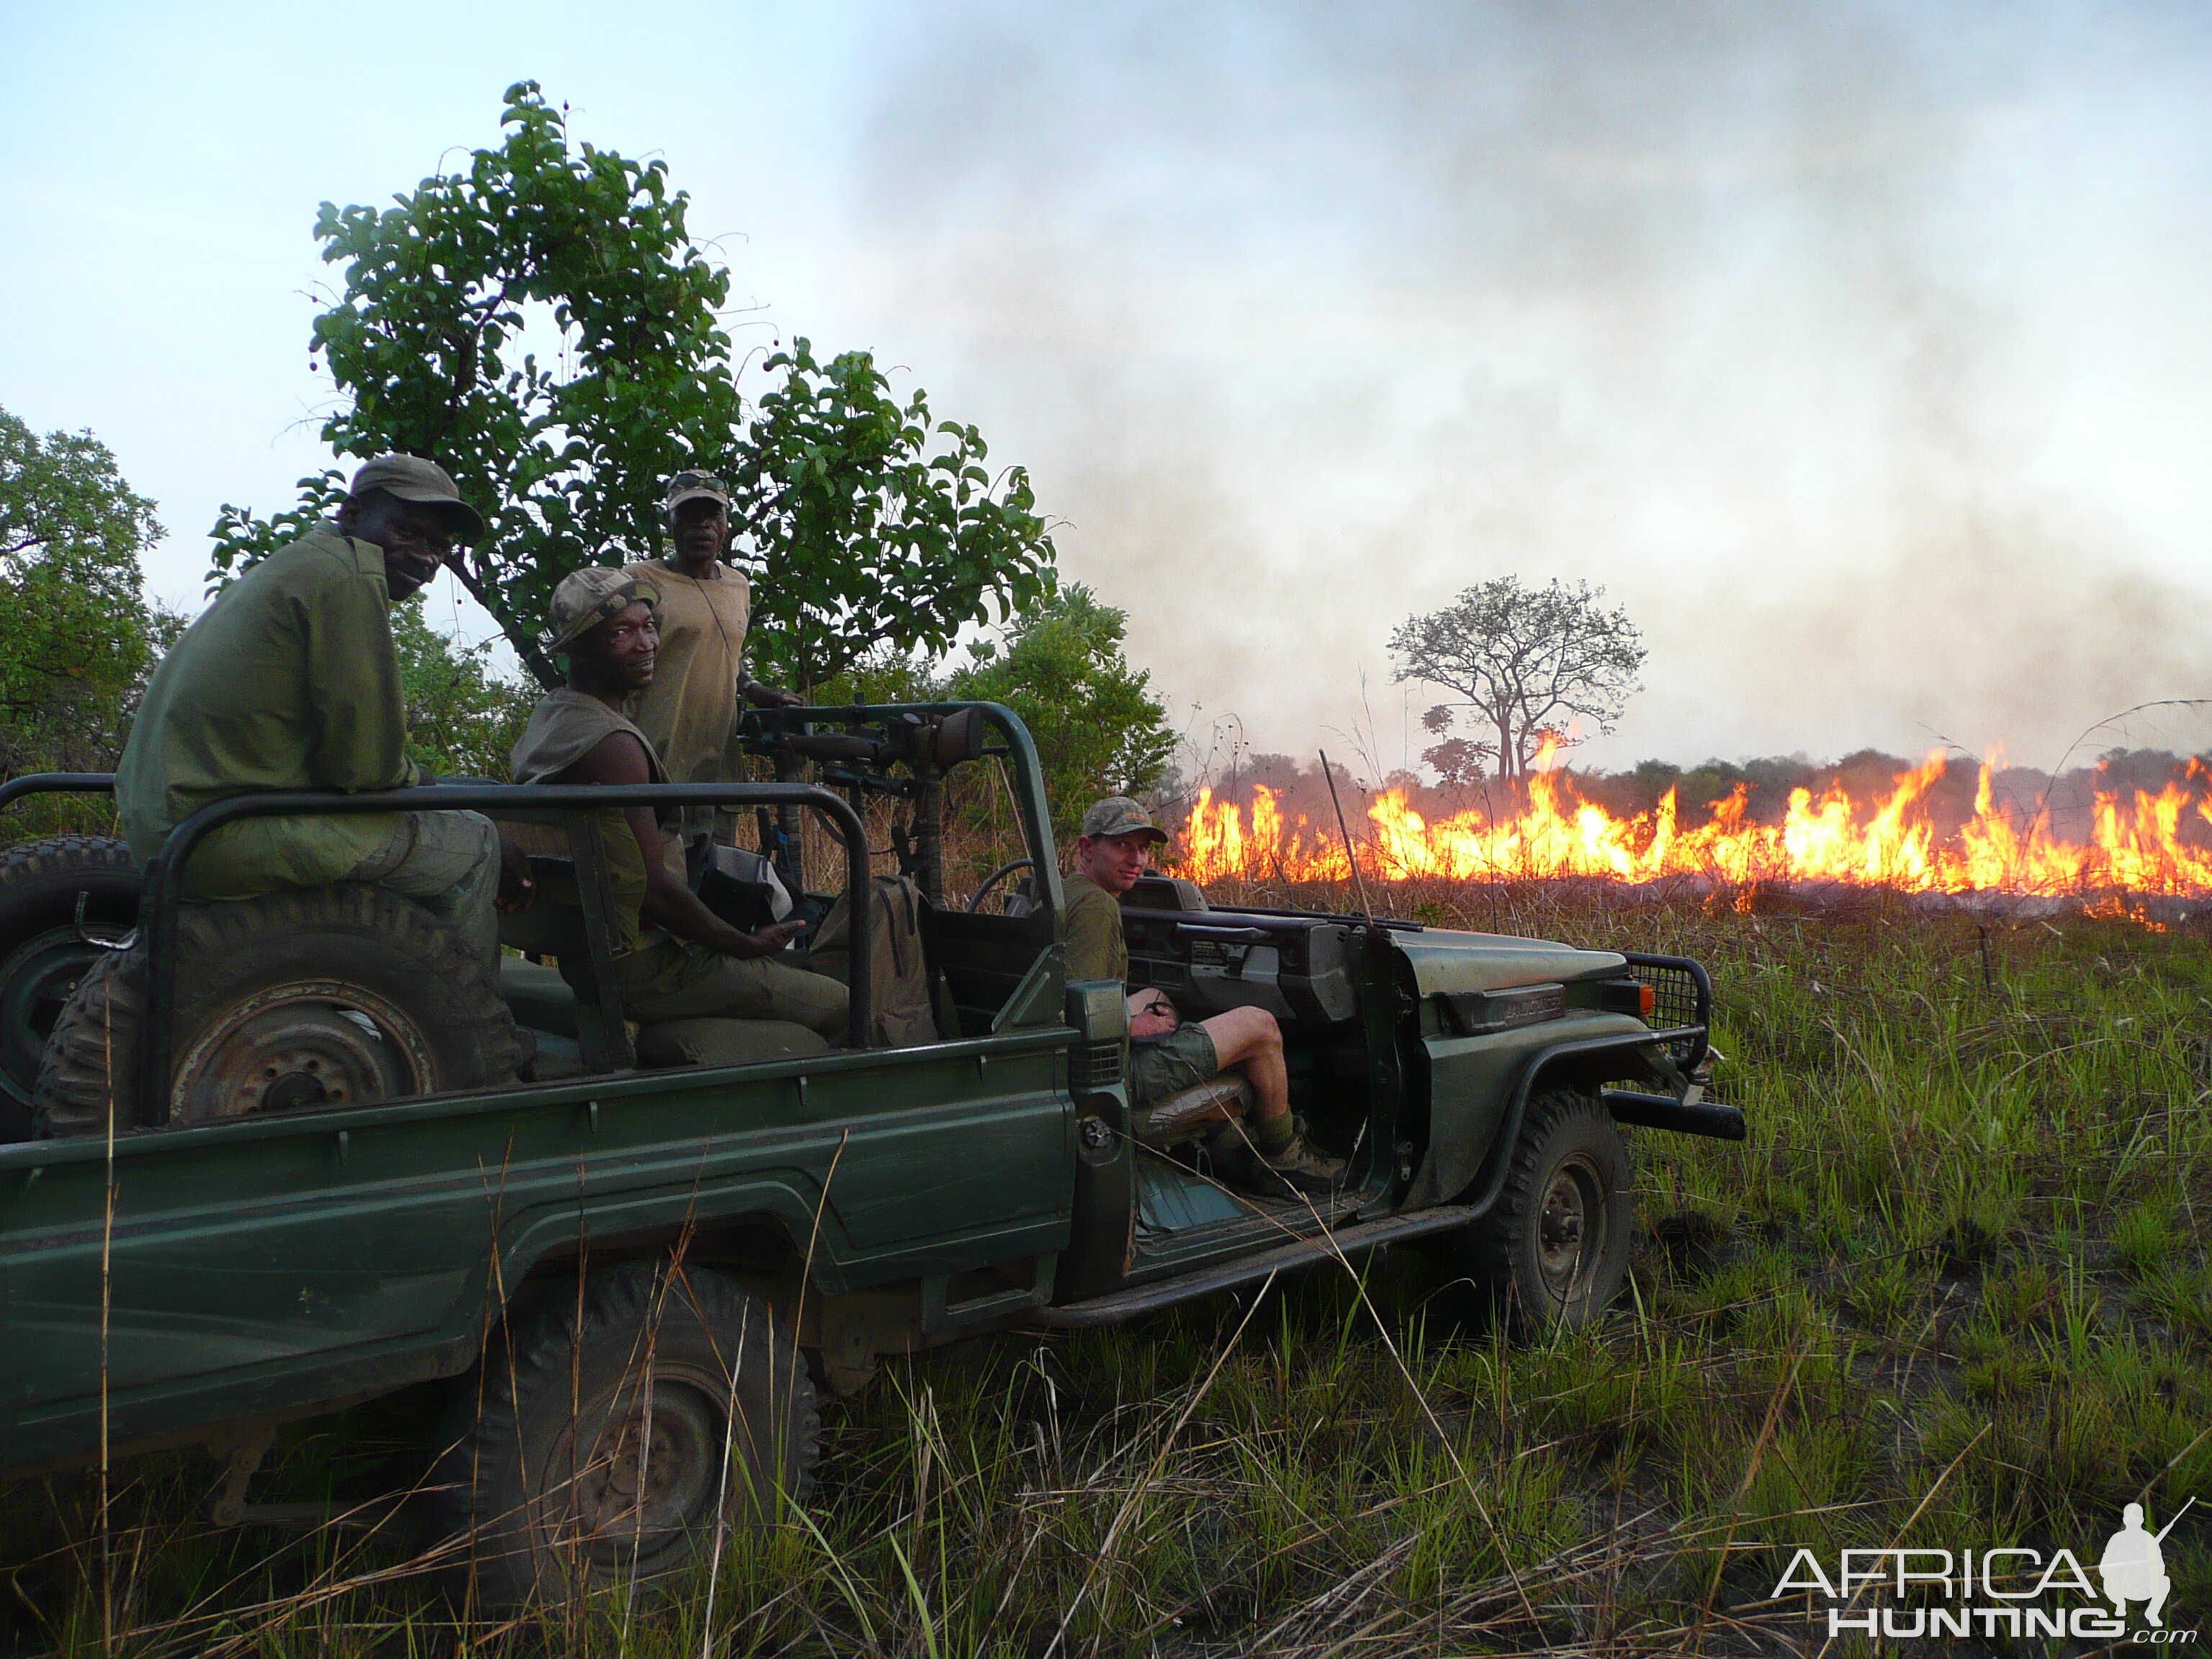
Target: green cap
412, 478
587, 598
1117, 815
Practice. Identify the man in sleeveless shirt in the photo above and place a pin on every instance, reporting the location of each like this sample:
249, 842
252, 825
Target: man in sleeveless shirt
675, 959
705, 607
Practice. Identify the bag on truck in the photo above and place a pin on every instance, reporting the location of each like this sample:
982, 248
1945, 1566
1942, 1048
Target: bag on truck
899, 972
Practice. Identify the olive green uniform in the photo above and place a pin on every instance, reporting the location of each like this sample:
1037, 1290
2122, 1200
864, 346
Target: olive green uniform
689, 711
659, 976
1158, 1067
1096, 949
290, 680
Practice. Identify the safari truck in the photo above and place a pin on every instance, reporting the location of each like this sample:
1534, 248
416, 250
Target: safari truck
310, 1153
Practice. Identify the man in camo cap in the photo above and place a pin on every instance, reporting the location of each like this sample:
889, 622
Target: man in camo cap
675, 962
1166, 1055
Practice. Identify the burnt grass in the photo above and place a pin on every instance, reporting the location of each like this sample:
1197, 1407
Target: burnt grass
1954, 1292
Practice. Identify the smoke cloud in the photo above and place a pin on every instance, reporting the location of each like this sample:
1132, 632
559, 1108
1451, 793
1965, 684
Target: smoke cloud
1857, 348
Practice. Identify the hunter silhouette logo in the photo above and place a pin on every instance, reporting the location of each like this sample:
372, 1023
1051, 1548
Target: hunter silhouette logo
1901, 1594
2133, 1566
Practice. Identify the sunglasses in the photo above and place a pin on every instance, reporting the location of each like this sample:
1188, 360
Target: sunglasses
683, 481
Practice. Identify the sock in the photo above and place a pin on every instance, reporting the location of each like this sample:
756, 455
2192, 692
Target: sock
1273, 1138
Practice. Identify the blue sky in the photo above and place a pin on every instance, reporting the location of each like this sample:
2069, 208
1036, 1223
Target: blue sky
1861, 350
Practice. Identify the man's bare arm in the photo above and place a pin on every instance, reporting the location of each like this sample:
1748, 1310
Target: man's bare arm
619, 758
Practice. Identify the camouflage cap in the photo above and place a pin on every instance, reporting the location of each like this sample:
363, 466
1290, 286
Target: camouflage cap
695, 487
412, 478
587, 598
1117, 815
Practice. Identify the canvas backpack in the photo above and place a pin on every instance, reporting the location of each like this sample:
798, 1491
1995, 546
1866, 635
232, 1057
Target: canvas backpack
896, 967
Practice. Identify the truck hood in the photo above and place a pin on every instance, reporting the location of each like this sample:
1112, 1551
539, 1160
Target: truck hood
1446, 962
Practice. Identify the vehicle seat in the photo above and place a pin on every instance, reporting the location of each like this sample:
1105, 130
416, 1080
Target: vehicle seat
725, 1041
1175, 1118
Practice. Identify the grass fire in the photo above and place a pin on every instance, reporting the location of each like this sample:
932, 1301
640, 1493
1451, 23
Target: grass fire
2094, 835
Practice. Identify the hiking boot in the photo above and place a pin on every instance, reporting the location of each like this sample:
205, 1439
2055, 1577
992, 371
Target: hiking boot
1299, 1168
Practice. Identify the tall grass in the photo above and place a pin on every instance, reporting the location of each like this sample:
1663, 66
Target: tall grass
1954, 1290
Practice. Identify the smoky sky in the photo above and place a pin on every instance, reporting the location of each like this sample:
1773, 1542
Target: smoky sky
1858, 350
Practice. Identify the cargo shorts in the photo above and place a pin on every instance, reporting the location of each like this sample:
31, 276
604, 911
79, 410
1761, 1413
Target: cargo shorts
1160, 1066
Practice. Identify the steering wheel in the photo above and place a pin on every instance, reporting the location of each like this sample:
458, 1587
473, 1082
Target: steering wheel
995, 879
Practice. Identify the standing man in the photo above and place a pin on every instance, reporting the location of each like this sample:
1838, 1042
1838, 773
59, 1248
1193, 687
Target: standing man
1166, 1055
290, 680
705, 606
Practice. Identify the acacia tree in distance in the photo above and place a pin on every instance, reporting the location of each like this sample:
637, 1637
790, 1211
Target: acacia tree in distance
865, 517
1527, 662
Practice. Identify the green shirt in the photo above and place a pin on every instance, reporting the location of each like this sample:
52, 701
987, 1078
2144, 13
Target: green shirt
1096, 949
289, 680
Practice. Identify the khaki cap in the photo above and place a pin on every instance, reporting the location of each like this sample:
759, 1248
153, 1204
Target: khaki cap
693, 486
587, 598
1117, 815
412, 478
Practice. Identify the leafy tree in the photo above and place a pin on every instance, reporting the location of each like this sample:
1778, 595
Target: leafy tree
1528, 662
873, 530
79, 639
1099, 730
870, 526
462, 718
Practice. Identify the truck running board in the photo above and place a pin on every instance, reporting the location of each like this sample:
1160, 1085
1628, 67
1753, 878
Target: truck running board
1688, 1117
1284, 1258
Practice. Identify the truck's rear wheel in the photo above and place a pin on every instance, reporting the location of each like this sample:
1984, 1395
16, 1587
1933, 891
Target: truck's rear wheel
1553, 1251
328, 996
44, 953
619, 1432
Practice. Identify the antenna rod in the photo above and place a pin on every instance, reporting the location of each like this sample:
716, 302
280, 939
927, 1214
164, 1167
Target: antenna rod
1350, 857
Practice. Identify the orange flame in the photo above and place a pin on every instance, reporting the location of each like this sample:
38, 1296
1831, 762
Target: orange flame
2136, 844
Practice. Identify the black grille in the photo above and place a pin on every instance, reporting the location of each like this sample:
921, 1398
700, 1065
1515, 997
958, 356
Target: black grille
1682, 1000
1093, 1066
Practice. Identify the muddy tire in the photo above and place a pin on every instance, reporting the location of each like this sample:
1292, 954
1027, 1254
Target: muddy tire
1553, 1251
43, 955
587, 1450
313, 997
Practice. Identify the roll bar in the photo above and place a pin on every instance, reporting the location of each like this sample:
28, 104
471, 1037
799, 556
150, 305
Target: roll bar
766, 725
163, 890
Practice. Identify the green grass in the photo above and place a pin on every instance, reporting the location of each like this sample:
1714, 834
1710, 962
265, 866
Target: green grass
1954, 1290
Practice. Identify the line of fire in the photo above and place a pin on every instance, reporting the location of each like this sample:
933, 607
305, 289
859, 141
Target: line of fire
2104, 840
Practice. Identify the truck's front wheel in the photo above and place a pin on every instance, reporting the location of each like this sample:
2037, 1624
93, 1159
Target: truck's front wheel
1553, 1250
624, 1429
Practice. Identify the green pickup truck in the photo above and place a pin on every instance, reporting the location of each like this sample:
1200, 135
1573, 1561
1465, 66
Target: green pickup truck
639, 1276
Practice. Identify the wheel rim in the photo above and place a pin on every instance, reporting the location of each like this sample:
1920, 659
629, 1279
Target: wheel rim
650, 1476
36, 982
1570, 1230
311, 1043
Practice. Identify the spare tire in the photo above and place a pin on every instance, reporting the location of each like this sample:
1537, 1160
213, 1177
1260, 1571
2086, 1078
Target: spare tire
44, 952
311, 997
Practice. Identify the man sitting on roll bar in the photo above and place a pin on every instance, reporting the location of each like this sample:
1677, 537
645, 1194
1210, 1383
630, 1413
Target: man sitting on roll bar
1165, 1055
290, 680
674, 958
